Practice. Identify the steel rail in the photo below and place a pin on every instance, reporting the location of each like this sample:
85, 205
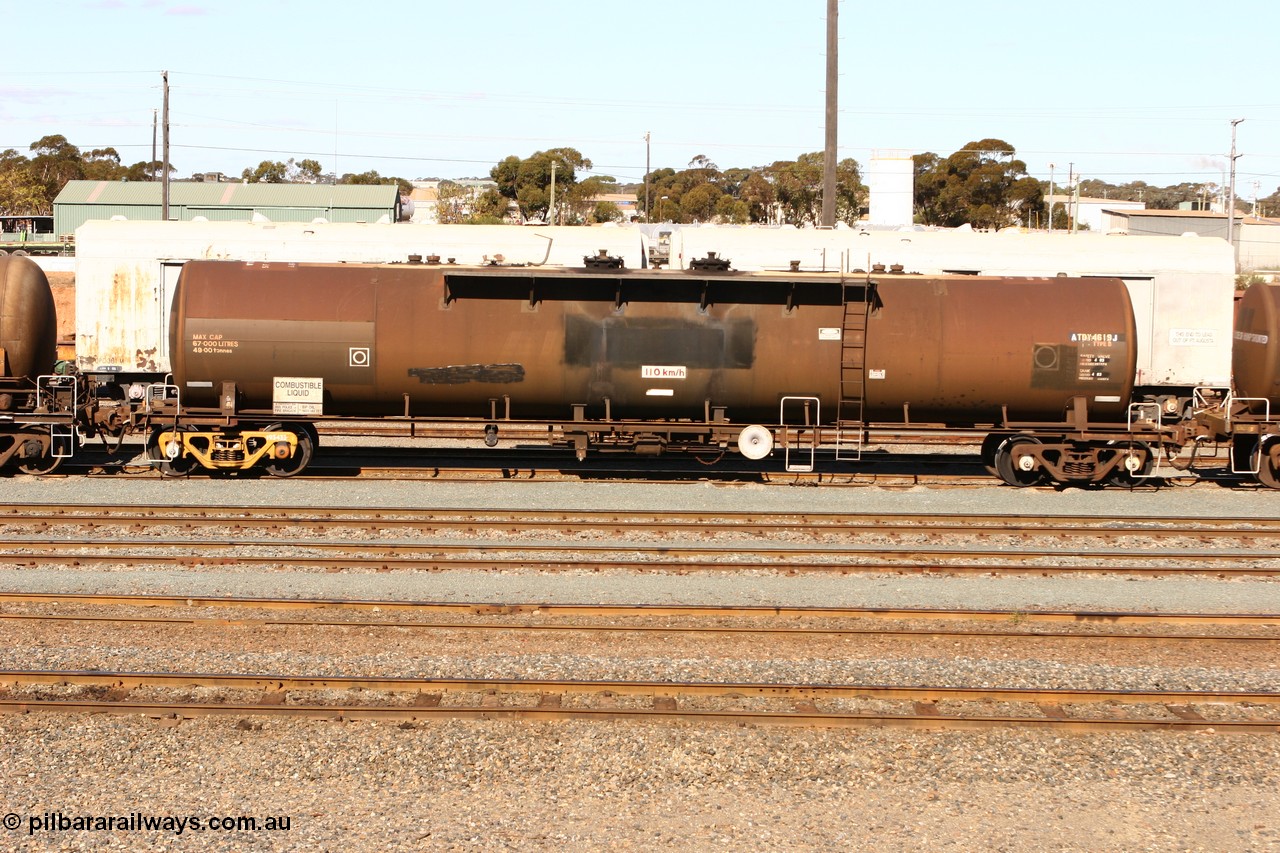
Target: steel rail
655, 557
1049, 703
400, 684
679, 550
738, 630
256, 516
647, 610
803, 719
454, 562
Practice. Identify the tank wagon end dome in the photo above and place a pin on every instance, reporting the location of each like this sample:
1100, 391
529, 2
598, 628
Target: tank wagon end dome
28, 318
1255, 357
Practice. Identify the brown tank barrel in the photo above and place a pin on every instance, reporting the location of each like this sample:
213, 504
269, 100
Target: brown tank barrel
1255, 357
443, 342
955, 350
28, 319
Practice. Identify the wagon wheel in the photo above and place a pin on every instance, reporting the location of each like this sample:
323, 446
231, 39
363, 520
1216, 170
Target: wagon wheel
990, 445
175, 467
45, 463
1267, 459
1121, 475
306, 449
1006, 463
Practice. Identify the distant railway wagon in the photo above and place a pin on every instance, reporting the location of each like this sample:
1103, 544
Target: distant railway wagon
31, 235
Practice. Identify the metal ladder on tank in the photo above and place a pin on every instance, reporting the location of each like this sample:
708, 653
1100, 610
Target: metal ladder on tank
853, 372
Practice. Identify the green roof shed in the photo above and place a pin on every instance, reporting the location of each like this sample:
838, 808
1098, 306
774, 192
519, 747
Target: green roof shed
81, 201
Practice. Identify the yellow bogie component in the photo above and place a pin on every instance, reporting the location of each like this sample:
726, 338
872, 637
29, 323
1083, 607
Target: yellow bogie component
221, 451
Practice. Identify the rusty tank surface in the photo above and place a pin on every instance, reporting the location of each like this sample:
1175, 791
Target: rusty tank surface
1255, 358
533, 343
28, 319
958, 349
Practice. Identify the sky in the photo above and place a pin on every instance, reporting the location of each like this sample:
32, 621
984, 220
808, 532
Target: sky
1120, 91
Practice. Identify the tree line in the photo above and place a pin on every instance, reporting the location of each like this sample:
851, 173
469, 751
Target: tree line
983, 184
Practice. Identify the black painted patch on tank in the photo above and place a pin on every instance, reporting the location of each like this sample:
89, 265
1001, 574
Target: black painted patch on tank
633, 342
461, 374
1053, 366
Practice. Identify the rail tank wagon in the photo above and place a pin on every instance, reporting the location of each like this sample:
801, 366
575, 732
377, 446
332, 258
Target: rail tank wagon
443, 342
37, 409
641, 360
1255, 426
1256, 357
28, 321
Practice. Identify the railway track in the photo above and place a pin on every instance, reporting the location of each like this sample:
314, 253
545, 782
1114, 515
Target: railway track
183, 694
681, 522
848, 705
252, 536
735, 620
338, 539
438, 556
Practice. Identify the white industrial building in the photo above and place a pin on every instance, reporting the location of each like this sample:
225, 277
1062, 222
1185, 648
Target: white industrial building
892, 182
1257, 240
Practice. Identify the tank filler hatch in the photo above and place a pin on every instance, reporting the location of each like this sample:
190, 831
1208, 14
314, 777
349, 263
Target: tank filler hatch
711, 263
602, 260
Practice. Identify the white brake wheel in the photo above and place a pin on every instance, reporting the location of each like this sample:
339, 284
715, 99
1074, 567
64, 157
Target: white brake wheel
755, 442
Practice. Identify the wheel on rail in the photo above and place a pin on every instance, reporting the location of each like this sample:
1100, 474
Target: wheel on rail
168, 460
1135, 462
36, 458
301, 458
1015, 466
1266, 458
990, 445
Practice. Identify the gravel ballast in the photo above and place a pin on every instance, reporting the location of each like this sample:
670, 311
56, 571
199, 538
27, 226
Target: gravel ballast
581, 785
498, 785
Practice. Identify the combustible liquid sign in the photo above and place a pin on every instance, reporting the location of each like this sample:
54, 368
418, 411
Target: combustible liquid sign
297, 395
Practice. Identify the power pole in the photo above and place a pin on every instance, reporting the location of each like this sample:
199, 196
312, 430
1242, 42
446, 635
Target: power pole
1075, 216
1050, 198
1231, 189
829, 160
164, 165
646, 176
1071, 177
551, 208
151, 167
